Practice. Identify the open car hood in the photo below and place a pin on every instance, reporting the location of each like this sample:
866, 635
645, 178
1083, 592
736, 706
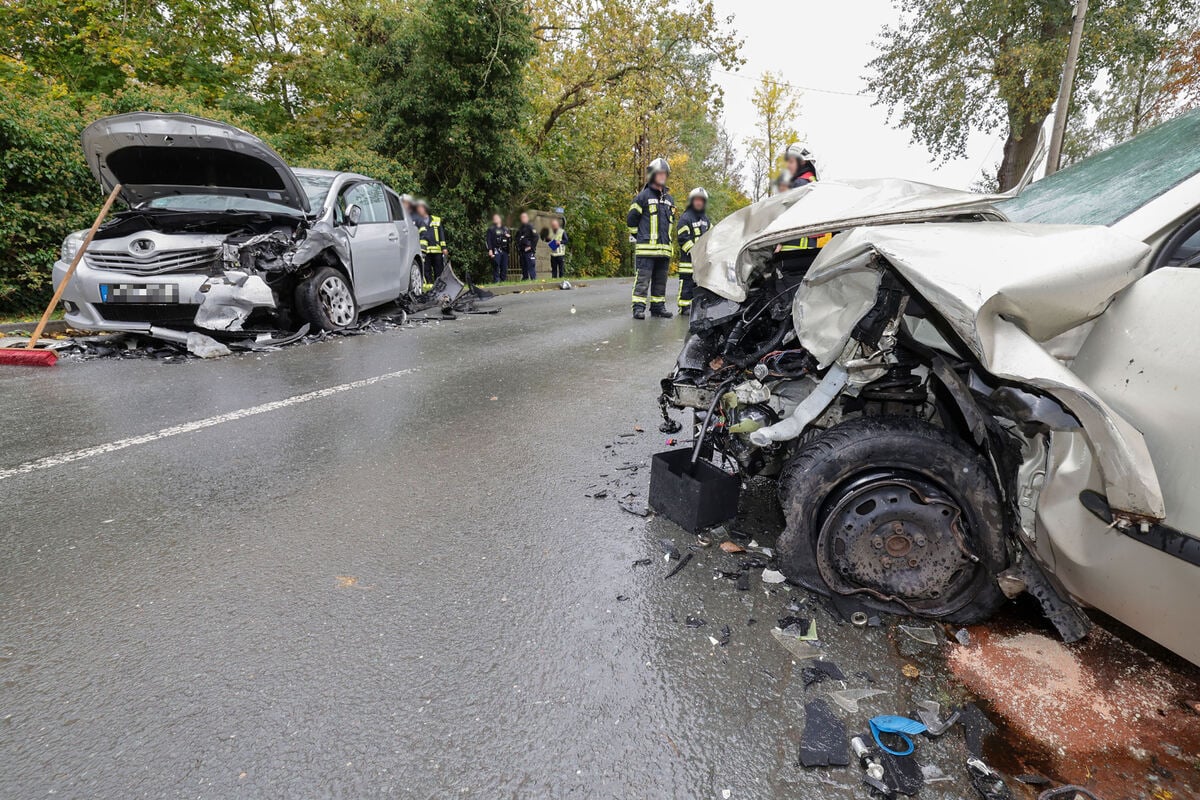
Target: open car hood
156, 155
726, 257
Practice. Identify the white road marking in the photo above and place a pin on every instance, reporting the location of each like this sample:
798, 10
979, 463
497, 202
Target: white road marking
189, 427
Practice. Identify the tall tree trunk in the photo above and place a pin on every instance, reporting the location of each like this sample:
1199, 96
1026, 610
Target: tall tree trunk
1019, 149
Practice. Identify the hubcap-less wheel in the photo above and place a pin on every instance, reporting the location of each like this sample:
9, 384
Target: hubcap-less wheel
416, 281
336, 300
898, 537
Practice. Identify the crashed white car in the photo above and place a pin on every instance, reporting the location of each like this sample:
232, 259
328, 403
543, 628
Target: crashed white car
968, 397
221, 234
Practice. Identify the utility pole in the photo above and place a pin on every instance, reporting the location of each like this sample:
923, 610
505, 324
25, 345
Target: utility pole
1064, 90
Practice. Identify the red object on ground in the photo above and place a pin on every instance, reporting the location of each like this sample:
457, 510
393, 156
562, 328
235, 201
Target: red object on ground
27, 358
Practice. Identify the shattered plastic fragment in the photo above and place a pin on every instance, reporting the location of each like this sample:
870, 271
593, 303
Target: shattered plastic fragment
695, 622
683, 562
987, 781
732, 547
743, 582
772, 576
963, 636
848, 699
800, 649
824, 741
923, 635
933, 774
819, 670
726, 635
668, 546
205, 346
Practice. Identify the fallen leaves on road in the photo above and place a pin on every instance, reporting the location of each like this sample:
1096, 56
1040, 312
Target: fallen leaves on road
346, 581
732, 547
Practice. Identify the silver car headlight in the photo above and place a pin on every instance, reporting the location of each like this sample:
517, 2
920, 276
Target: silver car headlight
71, 245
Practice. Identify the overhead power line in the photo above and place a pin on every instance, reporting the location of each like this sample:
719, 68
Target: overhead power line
795, 86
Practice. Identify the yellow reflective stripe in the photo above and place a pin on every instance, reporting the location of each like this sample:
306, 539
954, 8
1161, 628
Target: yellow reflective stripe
634, 207
684, 303
685, 269
653, 222
688, 245
654, 299
637, 299
652, 249
633, 231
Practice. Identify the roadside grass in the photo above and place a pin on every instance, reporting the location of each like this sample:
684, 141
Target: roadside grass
30, 318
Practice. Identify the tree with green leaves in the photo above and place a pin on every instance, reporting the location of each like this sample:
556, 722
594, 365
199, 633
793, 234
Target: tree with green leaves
445, 95
777, 104
953, 66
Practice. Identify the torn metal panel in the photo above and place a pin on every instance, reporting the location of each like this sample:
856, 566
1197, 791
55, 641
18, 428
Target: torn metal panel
728, 255
1003, 288
230, 299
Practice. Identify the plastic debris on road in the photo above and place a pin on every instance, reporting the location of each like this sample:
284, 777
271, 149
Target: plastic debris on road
772, 576
824, 742
891, 725
848, 699
921, 634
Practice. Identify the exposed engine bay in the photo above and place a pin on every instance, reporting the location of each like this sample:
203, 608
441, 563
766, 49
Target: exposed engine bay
253, 261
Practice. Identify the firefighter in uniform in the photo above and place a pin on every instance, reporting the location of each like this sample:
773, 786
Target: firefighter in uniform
651, 220
796, 256
433, 241
693, 224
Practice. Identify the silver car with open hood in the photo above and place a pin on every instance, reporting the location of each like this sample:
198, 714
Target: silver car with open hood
967, 397
220, 234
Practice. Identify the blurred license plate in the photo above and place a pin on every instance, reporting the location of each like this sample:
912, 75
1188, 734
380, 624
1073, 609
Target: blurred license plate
139, 293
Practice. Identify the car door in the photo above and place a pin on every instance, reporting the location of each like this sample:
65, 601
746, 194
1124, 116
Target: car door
410, 243
374, 244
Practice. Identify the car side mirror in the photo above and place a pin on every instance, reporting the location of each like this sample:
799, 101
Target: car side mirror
353, 213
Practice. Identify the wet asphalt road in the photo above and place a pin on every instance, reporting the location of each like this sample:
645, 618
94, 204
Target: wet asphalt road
396, 590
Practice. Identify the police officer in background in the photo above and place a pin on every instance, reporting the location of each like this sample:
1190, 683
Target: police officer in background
499, 241
433, 241
693, 224
651, 221
796, 256
527, 240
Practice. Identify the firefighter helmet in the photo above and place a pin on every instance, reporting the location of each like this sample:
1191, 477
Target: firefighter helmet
700, 192
657, 165
800, 153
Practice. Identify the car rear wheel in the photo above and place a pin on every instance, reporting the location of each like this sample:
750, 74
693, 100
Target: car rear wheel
898, 512
326, 300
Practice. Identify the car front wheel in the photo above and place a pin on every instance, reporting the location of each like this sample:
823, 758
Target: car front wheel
326, 300
899, 513
416, 279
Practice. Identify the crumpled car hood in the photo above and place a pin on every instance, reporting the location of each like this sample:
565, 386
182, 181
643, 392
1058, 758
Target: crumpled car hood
725, 258
156, 155
1006, 289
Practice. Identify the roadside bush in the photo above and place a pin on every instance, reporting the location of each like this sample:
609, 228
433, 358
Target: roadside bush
46, 189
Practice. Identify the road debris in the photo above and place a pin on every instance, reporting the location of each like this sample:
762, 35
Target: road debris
901, 727
987, 781
921, 634
910, 671
823, 742
683, 562
772, 576
731, 547
848, 699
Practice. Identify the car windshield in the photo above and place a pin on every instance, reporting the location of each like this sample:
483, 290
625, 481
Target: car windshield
1109, 186
316, 187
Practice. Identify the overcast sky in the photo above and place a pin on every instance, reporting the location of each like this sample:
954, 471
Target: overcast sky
851, 137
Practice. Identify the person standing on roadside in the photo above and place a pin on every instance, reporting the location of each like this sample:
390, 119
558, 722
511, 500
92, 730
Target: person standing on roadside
527, 240
433, 241
558, 249
651, 223
693, 223
499, 242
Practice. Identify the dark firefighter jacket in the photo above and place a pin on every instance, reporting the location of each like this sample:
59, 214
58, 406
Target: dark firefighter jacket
527, 239
651, 220
499, 239
692, 225
433, 238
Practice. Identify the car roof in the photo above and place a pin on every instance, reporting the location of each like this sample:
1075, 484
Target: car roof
331, 173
